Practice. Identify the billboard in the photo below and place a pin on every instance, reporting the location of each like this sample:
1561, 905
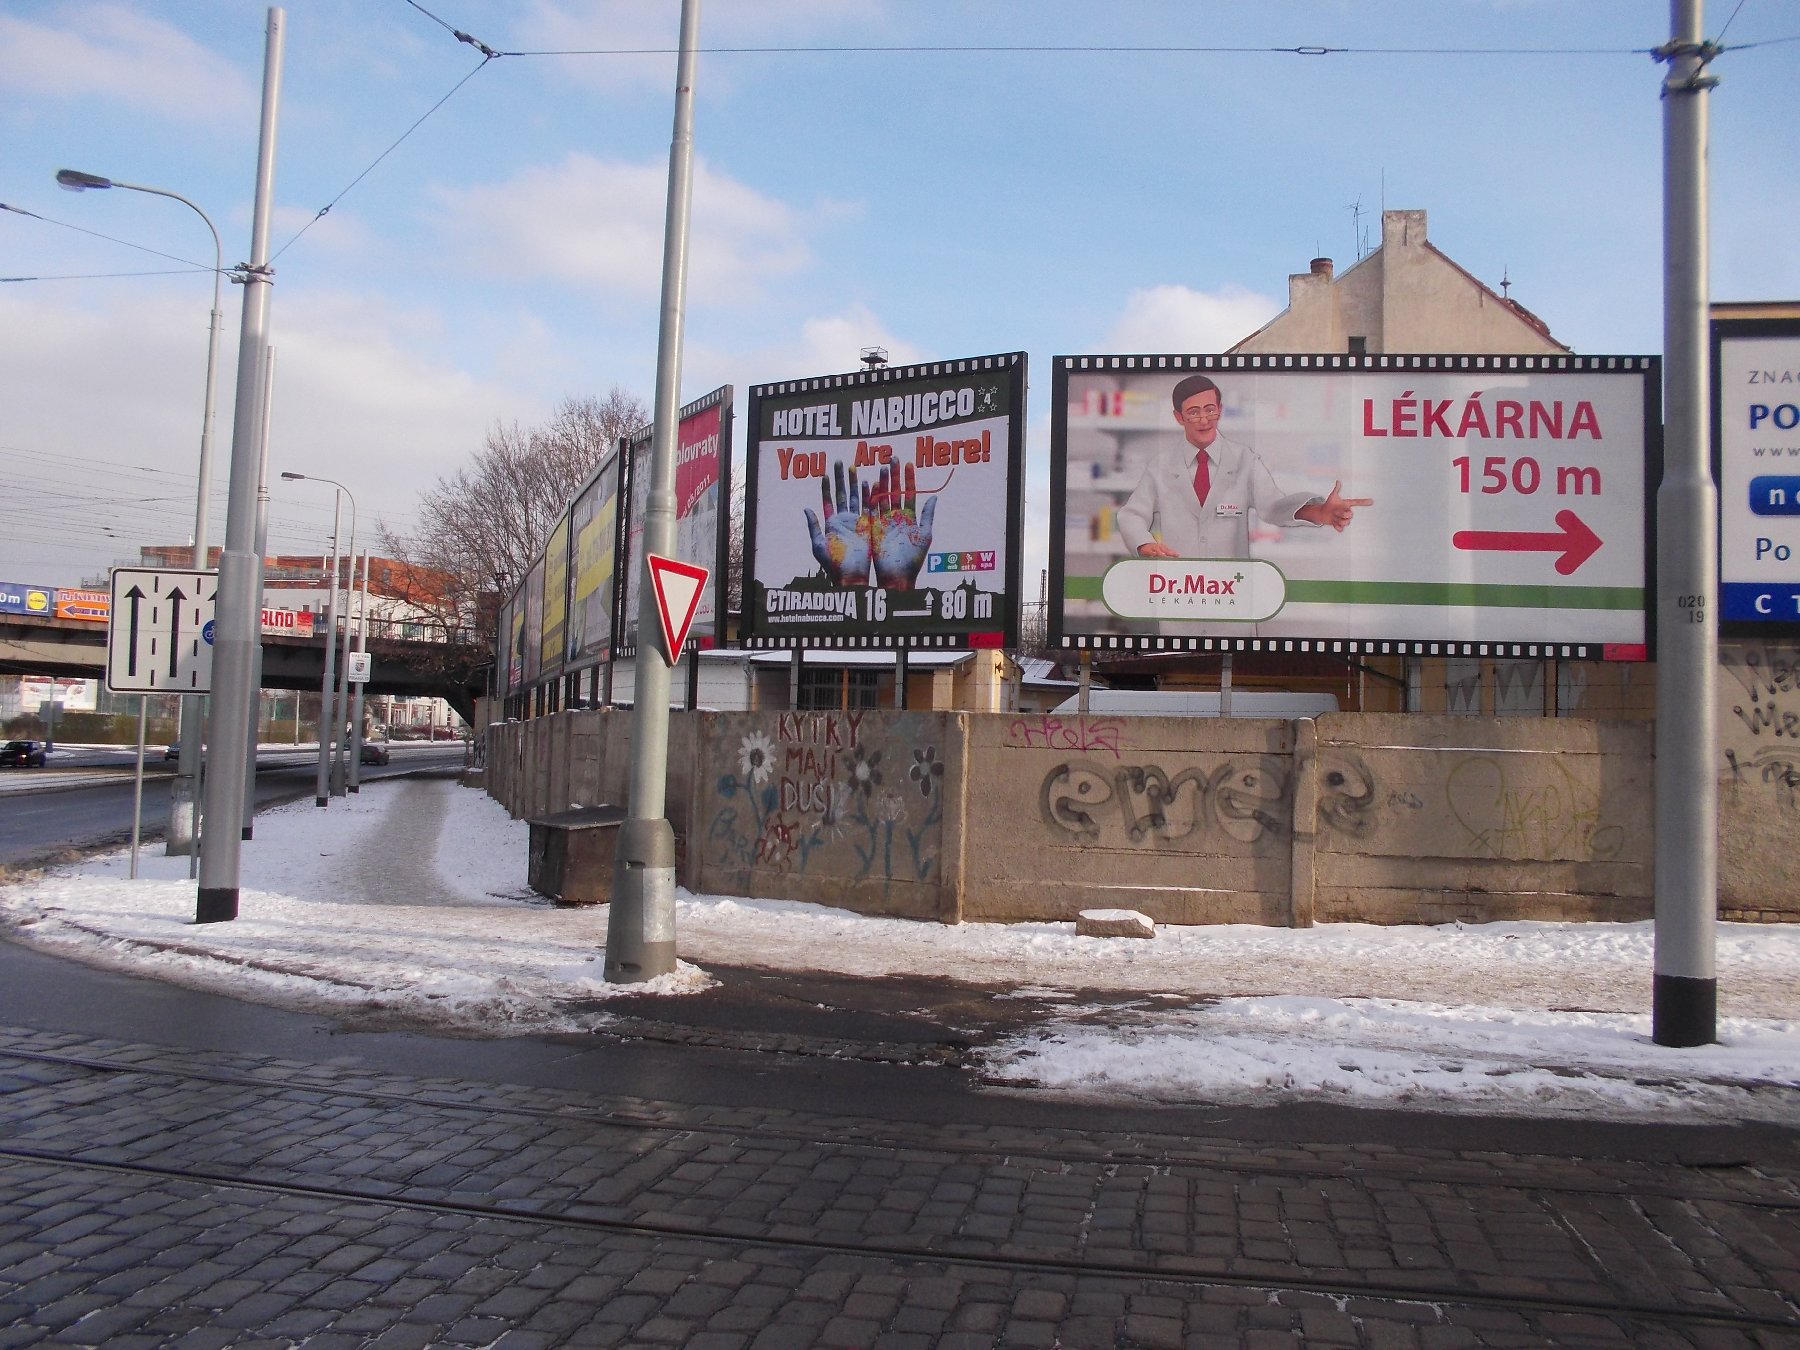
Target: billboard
884, 507
18, 599
509, 642
1756, 459
556, 601
531, 625
83, 605
702, 511
594, 549
1361, 503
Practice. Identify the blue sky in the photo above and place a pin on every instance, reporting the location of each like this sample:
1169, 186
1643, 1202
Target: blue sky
940, 203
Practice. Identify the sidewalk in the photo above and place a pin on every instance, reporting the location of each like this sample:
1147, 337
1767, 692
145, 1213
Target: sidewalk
406, 906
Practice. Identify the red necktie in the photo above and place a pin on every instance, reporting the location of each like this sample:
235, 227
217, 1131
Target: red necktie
1202, 477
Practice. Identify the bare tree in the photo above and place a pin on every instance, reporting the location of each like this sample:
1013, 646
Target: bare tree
483, 527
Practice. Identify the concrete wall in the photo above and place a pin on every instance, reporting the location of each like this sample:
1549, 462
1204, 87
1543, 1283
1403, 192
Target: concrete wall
1379, 818
1759, 785
853, 809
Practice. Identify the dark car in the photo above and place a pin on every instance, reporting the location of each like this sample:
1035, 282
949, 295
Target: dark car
374, 752
22, 755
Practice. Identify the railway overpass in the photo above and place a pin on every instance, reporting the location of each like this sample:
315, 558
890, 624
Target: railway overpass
32, 644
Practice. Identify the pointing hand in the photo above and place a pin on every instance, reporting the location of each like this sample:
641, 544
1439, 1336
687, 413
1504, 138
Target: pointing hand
1335, 511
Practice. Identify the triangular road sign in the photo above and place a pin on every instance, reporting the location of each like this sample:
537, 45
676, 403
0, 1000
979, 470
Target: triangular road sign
678, 586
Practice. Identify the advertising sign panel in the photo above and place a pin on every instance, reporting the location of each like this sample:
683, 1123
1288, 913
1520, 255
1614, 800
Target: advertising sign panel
81, 605
510, 643
17, 599
71, 695
556, 601
1366, 503
531, 638
594, 545
702, 492
287, 622
1756, 450
884, 507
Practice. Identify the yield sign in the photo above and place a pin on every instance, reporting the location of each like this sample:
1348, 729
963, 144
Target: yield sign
678, 585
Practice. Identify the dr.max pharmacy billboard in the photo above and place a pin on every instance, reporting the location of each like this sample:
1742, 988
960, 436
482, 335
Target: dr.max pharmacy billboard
884, 507
1353, 500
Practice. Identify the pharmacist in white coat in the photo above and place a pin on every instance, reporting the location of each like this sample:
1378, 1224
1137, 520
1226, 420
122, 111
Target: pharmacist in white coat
1195, 500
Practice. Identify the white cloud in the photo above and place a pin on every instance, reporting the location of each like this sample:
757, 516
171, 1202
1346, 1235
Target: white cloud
599, 225
361, 395
1171, 318
111, 51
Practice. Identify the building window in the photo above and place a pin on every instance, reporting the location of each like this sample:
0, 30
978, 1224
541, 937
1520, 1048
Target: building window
835, 690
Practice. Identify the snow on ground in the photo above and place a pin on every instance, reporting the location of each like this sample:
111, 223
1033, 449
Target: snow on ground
408, 902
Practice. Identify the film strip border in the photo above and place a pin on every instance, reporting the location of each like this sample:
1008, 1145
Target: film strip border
1567, 651
1380, 361
889, 374
879, 641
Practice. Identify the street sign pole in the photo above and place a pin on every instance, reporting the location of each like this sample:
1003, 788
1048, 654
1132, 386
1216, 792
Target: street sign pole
1686, 987
239, 610
640, 927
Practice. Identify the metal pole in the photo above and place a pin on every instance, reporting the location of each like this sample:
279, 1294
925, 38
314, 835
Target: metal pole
1225, 685
137, 786
328, 687
356, 706
262, 548
237, 615
1686, 988
640, 929
339, 736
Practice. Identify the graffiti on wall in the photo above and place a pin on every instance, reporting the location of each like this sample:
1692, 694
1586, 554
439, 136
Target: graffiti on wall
1491, 808
1078, 734
1764, 721
1134, 805
824, 794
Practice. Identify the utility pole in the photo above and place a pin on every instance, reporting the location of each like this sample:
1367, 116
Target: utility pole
238, 612
640, 926
1686, 987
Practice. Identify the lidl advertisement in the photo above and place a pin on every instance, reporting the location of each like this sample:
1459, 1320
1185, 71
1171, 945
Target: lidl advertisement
1367, 499
884, 507
556, 601
702, 491
1756, 442
594, 547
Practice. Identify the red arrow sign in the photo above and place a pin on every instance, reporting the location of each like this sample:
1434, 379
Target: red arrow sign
1572, 538
678, 586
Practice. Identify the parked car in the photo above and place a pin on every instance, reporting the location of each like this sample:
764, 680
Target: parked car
22, 755
375, 752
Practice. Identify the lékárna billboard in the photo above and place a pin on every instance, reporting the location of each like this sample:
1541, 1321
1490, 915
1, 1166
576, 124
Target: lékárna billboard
702, 512
884, 507
1362, 503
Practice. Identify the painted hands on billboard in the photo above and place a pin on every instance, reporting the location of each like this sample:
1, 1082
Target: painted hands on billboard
886, 505
1488, 499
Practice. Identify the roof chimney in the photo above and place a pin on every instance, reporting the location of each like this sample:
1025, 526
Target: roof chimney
1321, 267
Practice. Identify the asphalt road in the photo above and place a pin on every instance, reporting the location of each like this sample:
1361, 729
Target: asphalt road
44, 818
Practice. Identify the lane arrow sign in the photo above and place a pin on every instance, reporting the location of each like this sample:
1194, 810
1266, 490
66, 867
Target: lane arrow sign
678, 586
136, 597
176, 595
1572, 538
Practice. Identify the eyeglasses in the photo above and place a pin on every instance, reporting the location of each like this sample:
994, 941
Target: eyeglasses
1200, 414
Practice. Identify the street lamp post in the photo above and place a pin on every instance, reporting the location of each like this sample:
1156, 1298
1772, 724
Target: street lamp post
331, 717
183, 794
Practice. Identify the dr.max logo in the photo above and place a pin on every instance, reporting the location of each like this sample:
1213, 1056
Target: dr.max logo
1193, 583
1200, 590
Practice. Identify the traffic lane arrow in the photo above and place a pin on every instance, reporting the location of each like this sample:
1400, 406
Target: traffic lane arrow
1573, 539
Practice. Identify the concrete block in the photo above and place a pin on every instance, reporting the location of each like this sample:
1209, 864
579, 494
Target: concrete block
1114, 923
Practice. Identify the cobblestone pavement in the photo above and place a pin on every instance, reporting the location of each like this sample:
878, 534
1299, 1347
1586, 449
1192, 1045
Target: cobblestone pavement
152, 1196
